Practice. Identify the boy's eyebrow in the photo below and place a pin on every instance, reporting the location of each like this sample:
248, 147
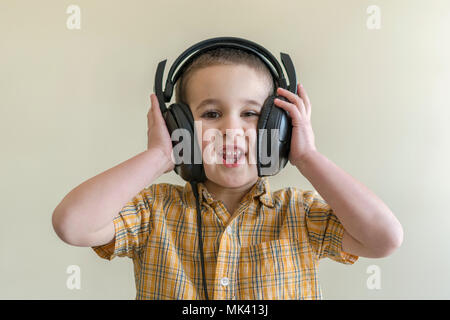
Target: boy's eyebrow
217, 101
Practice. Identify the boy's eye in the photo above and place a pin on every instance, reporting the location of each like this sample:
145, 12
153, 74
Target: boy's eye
210, 115
214, 114
251, 114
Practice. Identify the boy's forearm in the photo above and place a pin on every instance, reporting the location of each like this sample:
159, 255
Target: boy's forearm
364, 216
93, 204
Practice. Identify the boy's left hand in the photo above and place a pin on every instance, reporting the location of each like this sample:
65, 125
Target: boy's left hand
299, 109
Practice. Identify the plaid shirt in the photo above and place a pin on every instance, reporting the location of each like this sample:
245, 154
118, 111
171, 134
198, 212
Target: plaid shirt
270, 250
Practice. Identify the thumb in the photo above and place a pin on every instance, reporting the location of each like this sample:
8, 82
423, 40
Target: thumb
156, 111
150, 113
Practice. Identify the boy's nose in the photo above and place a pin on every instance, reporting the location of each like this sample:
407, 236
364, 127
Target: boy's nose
232, 126
233, 131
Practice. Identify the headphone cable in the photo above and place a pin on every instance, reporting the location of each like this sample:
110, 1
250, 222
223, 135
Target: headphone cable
200, 240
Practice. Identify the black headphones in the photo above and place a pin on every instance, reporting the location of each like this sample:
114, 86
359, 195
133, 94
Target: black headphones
179, 116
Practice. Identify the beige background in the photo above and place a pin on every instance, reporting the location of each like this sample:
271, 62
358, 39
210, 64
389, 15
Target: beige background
74, 104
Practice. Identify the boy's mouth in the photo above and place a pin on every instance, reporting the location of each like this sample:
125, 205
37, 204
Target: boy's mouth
231, 154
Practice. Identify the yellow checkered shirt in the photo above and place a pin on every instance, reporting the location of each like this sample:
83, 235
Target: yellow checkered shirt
270, 250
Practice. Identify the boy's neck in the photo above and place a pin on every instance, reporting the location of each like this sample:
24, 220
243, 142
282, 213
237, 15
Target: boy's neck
231, 197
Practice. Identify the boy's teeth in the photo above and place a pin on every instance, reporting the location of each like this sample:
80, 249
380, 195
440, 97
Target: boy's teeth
232, 156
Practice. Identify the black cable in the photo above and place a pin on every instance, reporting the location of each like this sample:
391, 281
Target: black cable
200, 239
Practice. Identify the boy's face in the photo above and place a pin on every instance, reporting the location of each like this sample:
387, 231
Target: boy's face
230, 122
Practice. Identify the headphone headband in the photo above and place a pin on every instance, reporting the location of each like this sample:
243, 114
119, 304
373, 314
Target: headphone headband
230, 42
170, 82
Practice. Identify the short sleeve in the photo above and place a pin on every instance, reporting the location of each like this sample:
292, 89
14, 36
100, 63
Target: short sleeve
132, 226
325, 231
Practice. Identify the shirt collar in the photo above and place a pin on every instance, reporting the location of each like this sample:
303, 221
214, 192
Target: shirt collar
260, 190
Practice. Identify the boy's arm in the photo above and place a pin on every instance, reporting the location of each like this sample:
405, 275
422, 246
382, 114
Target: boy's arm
372, 230
85, 215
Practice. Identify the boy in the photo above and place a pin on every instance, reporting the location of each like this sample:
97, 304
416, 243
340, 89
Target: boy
257, 244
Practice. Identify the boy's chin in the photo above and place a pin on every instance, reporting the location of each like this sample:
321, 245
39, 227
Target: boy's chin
231, 177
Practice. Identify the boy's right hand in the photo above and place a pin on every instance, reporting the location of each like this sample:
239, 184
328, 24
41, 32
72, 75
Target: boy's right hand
157, 134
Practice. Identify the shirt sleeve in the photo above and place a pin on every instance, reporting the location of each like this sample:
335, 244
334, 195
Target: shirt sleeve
132, 226
325, 231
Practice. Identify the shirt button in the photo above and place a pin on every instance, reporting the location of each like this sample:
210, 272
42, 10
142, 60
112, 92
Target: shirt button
229, 230
224, 281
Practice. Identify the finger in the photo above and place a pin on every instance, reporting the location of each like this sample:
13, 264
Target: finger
155, 106
157, 114
153, 117
303, 94
291, 108
305, 98
293, 98
150, 110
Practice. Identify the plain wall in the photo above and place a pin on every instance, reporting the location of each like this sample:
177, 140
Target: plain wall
74, 104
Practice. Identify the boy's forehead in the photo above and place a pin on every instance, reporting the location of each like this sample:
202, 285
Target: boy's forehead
226, 83
218, 102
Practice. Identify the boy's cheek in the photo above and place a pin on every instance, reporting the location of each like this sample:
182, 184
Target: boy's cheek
251, 140
210, 144
208, 153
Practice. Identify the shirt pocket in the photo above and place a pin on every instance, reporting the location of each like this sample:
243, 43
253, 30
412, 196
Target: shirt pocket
277, 269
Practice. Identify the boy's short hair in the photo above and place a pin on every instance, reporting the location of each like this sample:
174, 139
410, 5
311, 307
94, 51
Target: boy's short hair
221, 56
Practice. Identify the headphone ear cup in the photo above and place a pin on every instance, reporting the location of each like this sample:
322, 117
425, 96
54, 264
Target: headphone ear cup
187, 112
274, 140
265, 112
179, 116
